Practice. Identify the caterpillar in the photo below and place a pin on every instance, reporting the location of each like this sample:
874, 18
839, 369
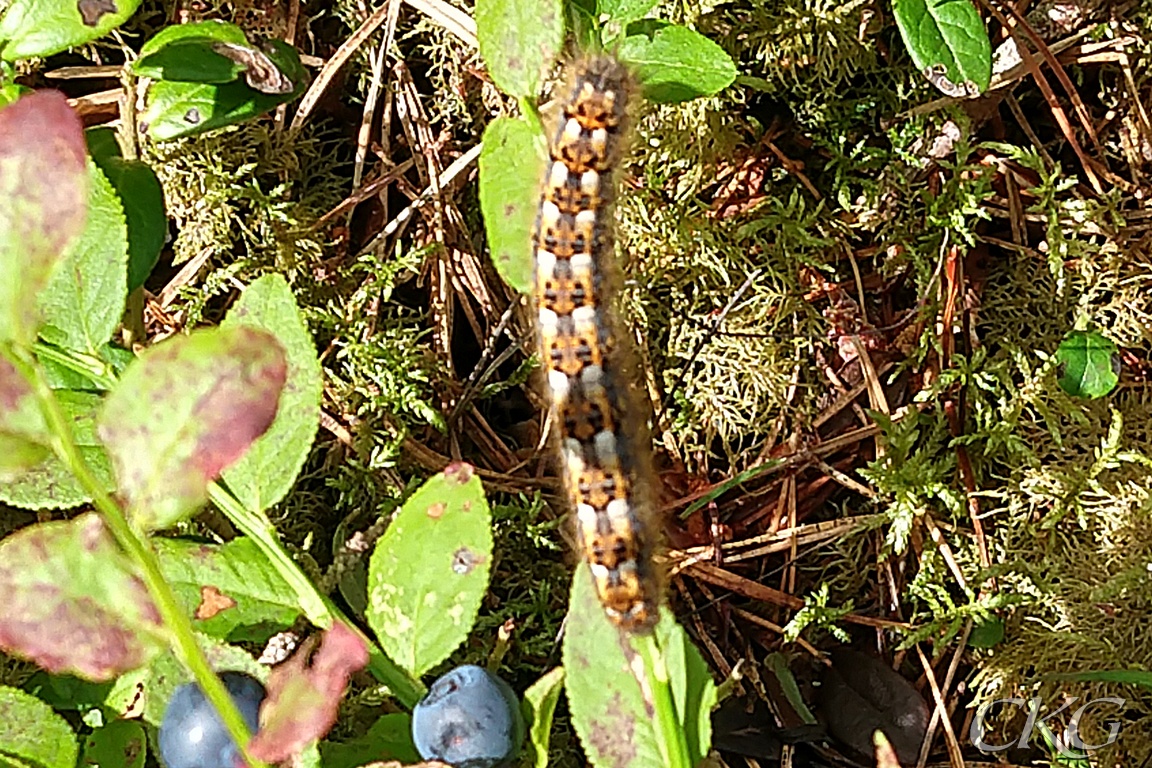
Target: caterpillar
603, 452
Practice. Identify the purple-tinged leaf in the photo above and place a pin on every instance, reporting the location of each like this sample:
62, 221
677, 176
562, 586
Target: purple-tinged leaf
186, 409
304, 694
84, 300
43, 202
71, 603
22, 428
19, 412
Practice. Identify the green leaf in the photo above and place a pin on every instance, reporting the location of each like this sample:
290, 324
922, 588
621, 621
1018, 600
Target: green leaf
265, 474
66, 693
1139, 677
186, 409
142, 198
177, 109
120, 743
102, 144
11, 92
518, 40
429, 571
353, 582
184, 52
231, 591
540, 705
31, 733
43, 202
70, 369
624, 12
674, 63
609, 711
44, 27
72, 603
778, 664
948, 43
1089, 367
512, 163
389, 738
84, 301
213, 29
50, 484
987, 634
18, 455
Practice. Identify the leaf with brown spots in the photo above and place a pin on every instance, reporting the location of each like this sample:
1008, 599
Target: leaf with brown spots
174, 109
91, 11
518, 40
43, 202
259, 70
203, 575
186, 409
212, 602
430, 570
512, 152
44, 27
304, 694
119, 743
608, 707
71, 603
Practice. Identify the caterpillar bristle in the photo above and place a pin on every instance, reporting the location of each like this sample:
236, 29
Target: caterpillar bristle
604, 455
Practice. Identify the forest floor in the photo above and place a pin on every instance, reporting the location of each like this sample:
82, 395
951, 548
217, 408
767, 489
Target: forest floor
847, 290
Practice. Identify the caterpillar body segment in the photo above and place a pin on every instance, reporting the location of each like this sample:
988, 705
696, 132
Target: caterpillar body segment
603, 440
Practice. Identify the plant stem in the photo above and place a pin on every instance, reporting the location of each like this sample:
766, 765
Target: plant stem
94, 369
138, 550
669, 734
316, 607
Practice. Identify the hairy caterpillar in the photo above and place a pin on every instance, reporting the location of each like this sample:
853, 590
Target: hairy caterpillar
602, 436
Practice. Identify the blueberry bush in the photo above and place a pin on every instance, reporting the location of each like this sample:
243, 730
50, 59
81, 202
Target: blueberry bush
105, 606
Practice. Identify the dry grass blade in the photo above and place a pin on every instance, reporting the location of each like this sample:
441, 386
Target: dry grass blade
954, 757
332, 67
939, 715
451, 18
1049, 96
754, 590
1061, 75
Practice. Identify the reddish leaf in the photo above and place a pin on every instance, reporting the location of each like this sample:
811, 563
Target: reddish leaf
43, 201
304, 693
15, 394
71, 603
22, 429
185, 410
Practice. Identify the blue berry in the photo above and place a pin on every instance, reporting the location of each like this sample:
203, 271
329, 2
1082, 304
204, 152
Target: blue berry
192, 734
469, 719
